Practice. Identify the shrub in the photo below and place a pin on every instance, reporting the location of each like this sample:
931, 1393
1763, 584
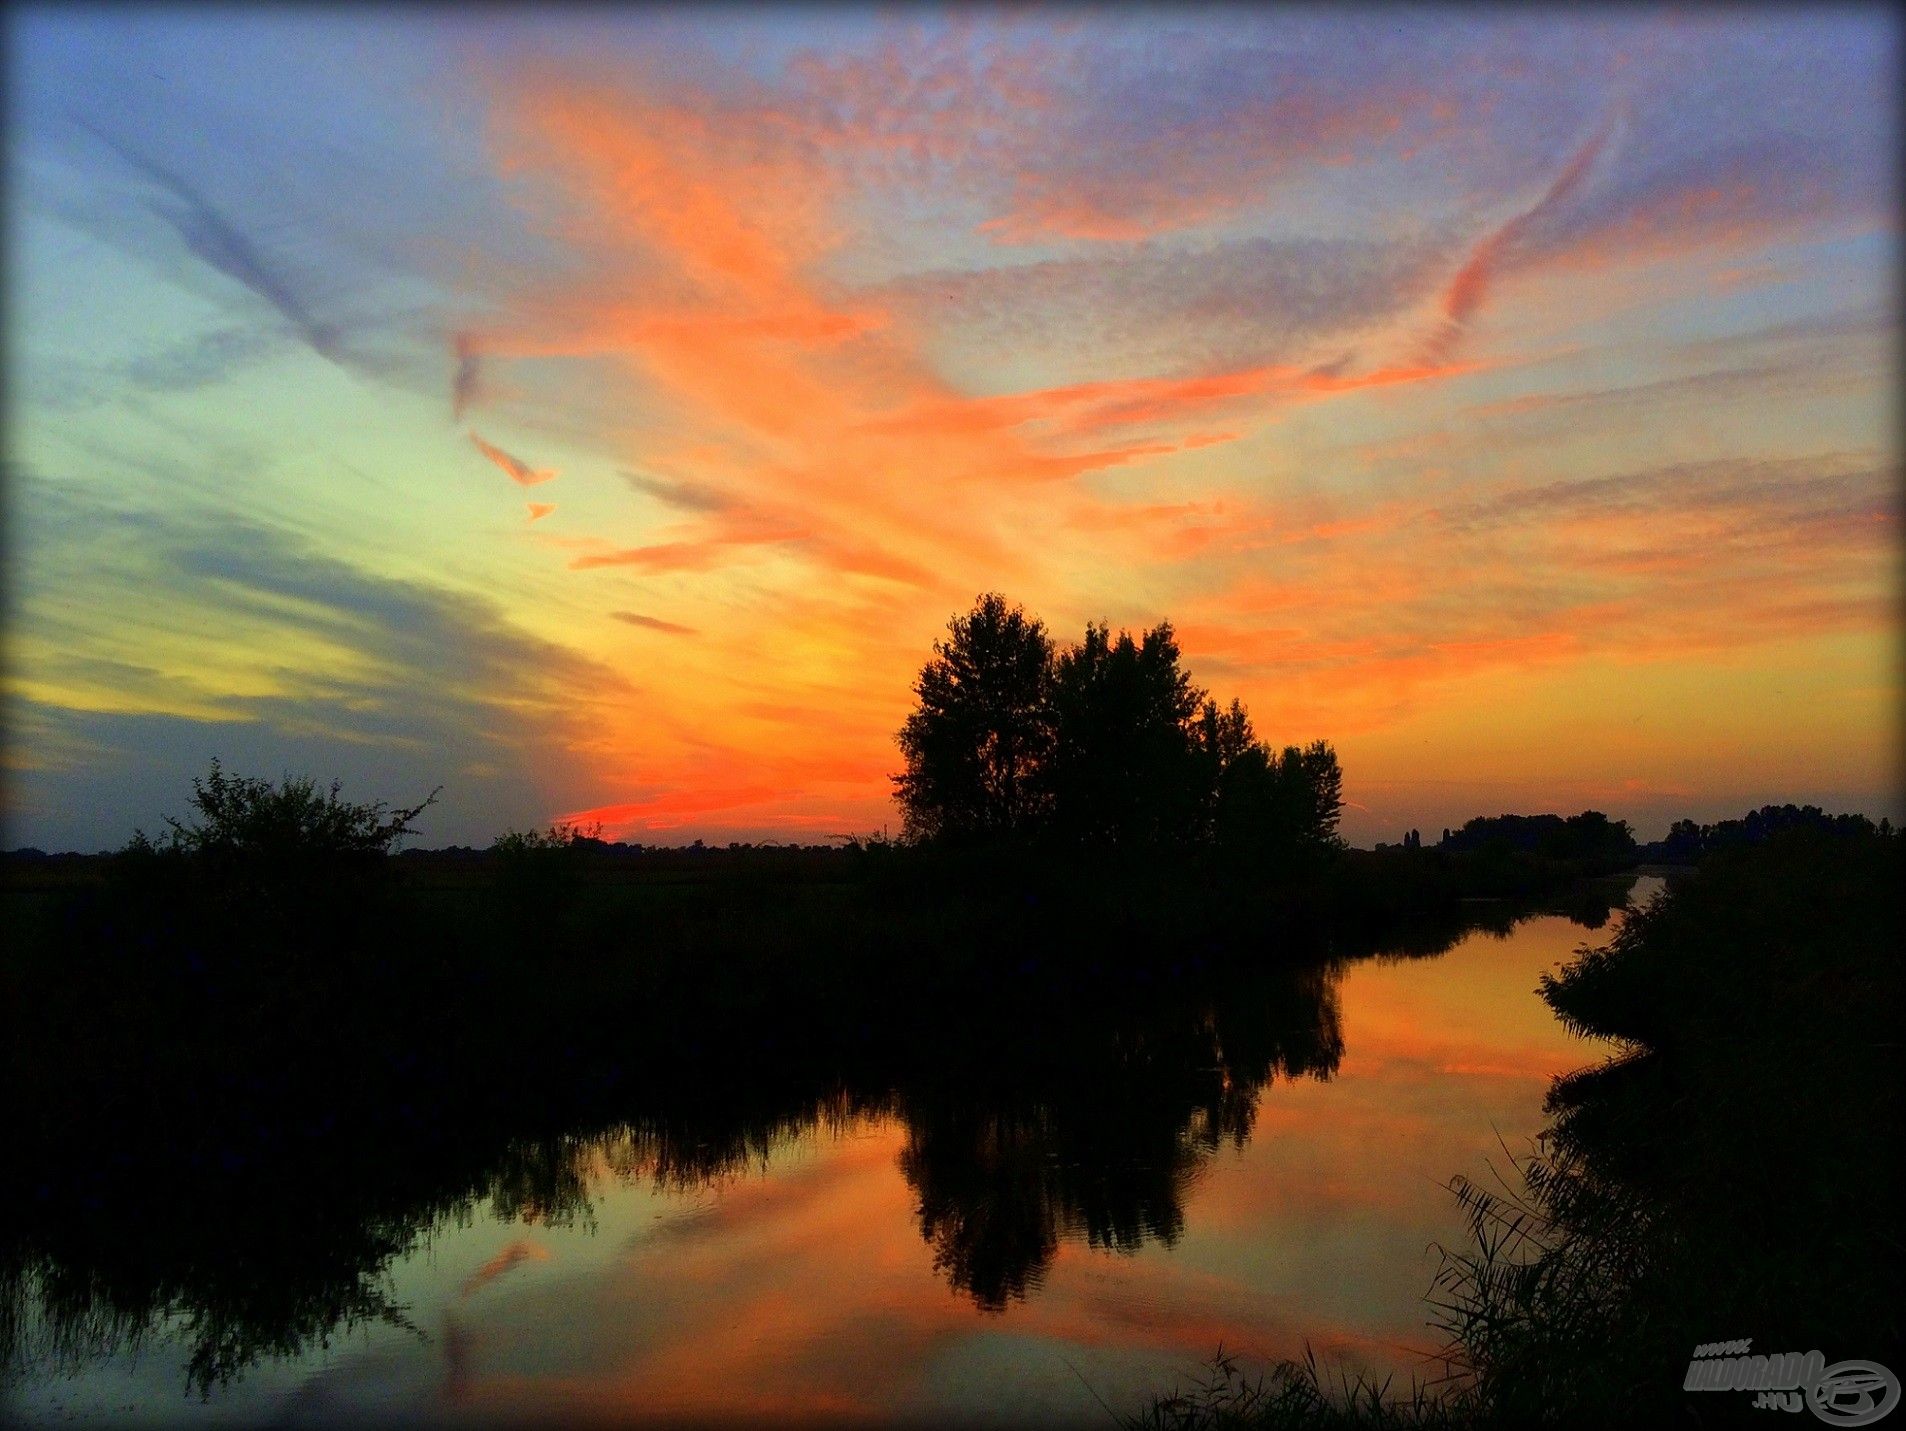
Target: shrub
246, 818
256, 866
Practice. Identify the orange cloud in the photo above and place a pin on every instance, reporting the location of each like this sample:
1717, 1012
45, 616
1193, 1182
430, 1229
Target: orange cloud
668, 808
821, 400
1084, 408
835, 493
663, 556
519, 471
1366, 619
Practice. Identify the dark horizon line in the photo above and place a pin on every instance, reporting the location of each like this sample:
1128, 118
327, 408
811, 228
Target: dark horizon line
840, 842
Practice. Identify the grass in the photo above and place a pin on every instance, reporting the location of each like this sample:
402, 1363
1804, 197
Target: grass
1292, 1393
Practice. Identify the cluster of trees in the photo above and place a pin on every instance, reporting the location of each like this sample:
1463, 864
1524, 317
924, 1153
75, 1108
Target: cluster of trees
1687, 841
1590, 836
1103, 744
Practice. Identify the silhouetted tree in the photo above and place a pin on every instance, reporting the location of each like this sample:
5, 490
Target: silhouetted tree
1279, 804
1590, 835
1107, 743
1126, 764
1683, 844
1688, 842
1225, 734
1231, 753
983, 728
1311, 787
539, 875
251, 838
248, 818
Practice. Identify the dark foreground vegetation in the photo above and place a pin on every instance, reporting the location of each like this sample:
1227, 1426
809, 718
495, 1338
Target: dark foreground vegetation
1115, 919
263, 1022
1732, 1173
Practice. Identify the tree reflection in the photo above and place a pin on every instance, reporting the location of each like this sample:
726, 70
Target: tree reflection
1078, 1101
1099, 1129
285, 1254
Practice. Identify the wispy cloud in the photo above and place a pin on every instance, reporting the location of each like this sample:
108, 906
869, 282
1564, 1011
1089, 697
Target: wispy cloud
256, 646
1468, 290
1668, 563
678, 492
220, 243
466, 380
652, 623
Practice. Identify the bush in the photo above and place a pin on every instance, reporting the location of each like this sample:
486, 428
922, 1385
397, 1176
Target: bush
242, 818
257, 869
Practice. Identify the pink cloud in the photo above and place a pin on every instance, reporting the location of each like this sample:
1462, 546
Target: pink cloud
1469, 289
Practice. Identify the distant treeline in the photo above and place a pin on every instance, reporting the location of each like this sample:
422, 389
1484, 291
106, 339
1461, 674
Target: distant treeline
1590, 836
1593, 838
1688, 842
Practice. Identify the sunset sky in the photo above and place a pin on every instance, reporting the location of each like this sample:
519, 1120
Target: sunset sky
599, 415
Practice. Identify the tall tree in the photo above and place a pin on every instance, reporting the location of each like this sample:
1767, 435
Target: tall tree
1280, 803
983, 727
1314, 781
1227, 746
1225, 734
1126, 766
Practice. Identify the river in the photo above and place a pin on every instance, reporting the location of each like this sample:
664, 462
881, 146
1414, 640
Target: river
904, 1254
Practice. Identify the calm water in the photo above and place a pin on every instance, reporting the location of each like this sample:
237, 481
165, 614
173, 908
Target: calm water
918, 1254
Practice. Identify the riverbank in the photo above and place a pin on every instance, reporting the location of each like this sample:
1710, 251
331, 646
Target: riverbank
1732, 1171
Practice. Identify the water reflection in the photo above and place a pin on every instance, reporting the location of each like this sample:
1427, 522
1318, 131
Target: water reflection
1055, 1110
1101, 1138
